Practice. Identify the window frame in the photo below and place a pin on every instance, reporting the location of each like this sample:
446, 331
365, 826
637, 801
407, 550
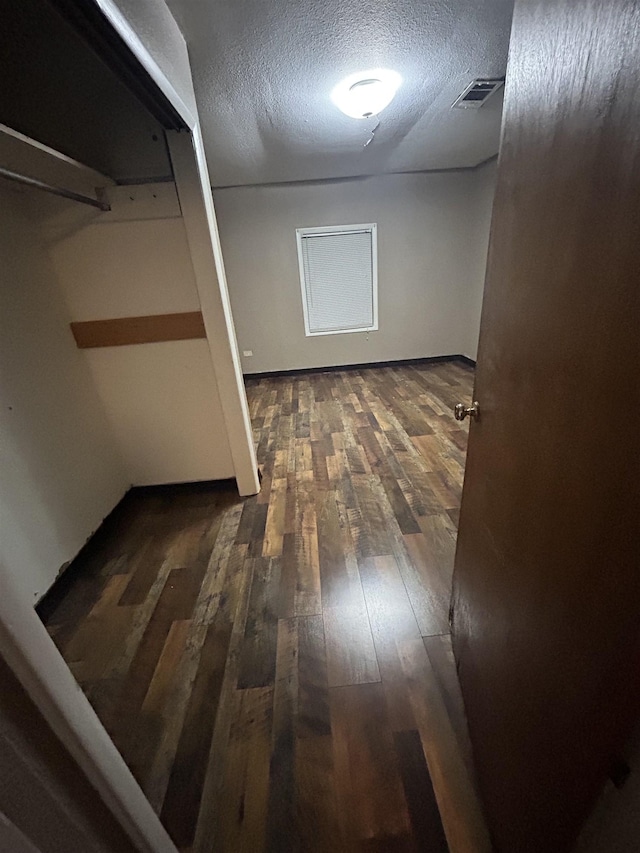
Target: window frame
371, 227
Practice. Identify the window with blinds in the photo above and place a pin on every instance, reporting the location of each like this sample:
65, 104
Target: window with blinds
338, 277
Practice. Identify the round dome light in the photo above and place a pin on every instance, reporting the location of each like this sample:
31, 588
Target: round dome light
367, 93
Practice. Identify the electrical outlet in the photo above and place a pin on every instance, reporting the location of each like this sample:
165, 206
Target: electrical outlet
247, 352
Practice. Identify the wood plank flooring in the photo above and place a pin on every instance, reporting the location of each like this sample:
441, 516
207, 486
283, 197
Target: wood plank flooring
277, 671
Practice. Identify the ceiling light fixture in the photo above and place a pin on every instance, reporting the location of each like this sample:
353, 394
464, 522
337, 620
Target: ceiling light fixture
366, 93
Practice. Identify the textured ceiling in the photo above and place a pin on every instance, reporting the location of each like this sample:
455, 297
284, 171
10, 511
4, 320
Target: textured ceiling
264, 71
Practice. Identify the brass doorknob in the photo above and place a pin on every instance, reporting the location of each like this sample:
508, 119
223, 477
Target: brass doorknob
461, 411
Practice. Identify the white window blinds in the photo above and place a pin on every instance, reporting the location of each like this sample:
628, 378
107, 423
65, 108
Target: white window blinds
338, 278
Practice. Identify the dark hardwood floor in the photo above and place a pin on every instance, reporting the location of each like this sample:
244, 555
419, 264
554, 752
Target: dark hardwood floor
277, 671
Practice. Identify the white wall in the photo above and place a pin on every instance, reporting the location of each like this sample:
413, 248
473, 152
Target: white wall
485, 186
431, 257
161, 399
61, 471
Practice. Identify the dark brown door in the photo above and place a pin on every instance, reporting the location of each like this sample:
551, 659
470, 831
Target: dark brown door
547, 576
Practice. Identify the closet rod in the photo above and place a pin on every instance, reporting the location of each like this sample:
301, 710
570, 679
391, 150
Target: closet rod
61, 191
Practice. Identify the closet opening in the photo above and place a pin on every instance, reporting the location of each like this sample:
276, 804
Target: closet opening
111, 418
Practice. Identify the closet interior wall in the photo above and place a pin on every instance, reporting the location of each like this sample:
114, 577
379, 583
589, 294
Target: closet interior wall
62, 470
161, 399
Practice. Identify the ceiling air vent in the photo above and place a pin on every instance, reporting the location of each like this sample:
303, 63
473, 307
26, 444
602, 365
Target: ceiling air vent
476, 94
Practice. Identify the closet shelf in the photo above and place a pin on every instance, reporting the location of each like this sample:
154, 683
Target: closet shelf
28, 162
61, 191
